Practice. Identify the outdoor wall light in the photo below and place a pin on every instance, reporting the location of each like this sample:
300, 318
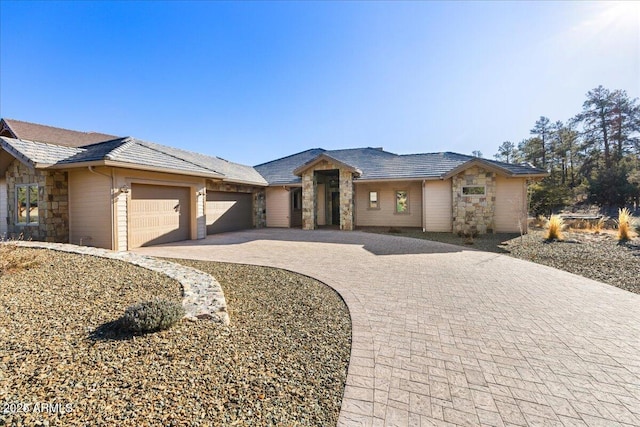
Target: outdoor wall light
124, 189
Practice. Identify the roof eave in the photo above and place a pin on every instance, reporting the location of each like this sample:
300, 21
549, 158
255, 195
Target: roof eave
125, 165
413, 178
245, 182
487, 165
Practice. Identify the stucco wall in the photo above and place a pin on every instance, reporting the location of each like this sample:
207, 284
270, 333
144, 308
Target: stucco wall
437, 203
385, 215
53, 204
90, 211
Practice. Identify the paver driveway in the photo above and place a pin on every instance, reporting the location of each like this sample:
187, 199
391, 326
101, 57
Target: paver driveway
448, 336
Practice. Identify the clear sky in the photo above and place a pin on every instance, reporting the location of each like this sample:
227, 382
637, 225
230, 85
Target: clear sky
254, 81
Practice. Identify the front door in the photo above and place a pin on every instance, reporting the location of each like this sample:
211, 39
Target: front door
335, 208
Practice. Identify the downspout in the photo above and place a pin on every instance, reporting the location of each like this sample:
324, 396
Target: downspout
424, 205
111, 177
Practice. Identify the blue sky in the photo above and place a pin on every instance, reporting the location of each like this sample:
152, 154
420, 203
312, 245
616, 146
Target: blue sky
254, 81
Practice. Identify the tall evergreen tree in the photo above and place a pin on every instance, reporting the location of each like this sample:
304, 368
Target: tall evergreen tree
542, 129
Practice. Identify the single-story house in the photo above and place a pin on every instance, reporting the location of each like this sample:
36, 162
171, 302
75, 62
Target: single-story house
121, 193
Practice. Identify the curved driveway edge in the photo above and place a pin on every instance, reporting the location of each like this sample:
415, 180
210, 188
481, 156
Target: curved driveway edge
444, 335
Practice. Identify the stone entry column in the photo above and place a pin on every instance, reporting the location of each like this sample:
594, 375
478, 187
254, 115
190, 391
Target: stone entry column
309, 200
346, 200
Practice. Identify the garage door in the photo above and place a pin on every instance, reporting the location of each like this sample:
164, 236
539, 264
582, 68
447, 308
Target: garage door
158, 214
229, 211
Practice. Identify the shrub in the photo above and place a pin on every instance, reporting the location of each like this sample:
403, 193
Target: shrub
150, 316
625, 224
12, 260
598, 226
554, 228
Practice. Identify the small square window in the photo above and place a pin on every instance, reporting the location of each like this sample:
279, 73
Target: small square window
473, 190
373, 200
402, 201
27, 204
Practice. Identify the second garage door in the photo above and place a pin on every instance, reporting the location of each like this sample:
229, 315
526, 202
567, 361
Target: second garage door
229, 211
158, 214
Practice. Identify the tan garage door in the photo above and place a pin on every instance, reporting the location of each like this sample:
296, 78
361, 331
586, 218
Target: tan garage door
158, 214
510, 205
229, 211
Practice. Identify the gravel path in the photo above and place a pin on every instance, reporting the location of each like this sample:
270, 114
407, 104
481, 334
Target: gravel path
282, 361
595, 256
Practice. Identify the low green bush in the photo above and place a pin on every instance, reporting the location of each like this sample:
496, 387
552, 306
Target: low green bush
151, 316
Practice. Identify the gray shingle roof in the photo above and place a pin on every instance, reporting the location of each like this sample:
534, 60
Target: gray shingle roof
38, 152
281, 171
378, 164
135, 152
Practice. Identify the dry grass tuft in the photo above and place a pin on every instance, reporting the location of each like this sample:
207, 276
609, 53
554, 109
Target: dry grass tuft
625, 224
12, 259
554, 228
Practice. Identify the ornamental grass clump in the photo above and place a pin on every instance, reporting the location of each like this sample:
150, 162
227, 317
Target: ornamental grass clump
13, 260
625, 224
554, 228
151, 316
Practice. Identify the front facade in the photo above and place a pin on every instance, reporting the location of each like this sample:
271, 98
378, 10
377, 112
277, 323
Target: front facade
123, 193
368, 187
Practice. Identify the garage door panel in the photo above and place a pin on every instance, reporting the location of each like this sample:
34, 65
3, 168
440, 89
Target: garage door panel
228, 211
158, 214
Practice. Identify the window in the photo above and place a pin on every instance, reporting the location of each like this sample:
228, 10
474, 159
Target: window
473, 190
373, 200
27, 204
402, 201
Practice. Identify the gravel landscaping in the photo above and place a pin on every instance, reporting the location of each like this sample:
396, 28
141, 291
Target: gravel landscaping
595, 256
282, 361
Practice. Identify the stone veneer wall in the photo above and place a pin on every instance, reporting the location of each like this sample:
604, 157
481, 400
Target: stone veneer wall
259, 199
53, 203
309, 188
309, 197
474, 213
346, 200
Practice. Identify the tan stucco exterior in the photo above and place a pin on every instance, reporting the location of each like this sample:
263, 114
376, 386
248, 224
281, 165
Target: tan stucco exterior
385, 214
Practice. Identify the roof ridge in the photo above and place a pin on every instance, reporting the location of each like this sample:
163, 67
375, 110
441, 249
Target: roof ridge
150, 145
127, 141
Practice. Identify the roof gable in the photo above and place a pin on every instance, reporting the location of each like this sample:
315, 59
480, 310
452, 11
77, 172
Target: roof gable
328, 158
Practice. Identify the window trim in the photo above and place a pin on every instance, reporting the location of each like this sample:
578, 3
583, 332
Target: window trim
407, 204
377, 202
29, 220
484, 190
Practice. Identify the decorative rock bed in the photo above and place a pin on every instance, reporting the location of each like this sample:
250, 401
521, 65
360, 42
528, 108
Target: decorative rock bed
202, 295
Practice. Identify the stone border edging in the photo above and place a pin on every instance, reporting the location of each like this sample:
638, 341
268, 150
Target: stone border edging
202, 295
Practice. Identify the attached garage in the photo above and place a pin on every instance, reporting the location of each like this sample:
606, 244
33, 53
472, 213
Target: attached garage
158, 214
228, 211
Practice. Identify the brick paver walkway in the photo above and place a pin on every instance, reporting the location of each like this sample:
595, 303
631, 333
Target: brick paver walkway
448, 336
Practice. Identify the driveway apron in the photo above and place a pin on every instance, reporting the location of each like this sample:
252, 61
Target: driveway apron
445, 335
